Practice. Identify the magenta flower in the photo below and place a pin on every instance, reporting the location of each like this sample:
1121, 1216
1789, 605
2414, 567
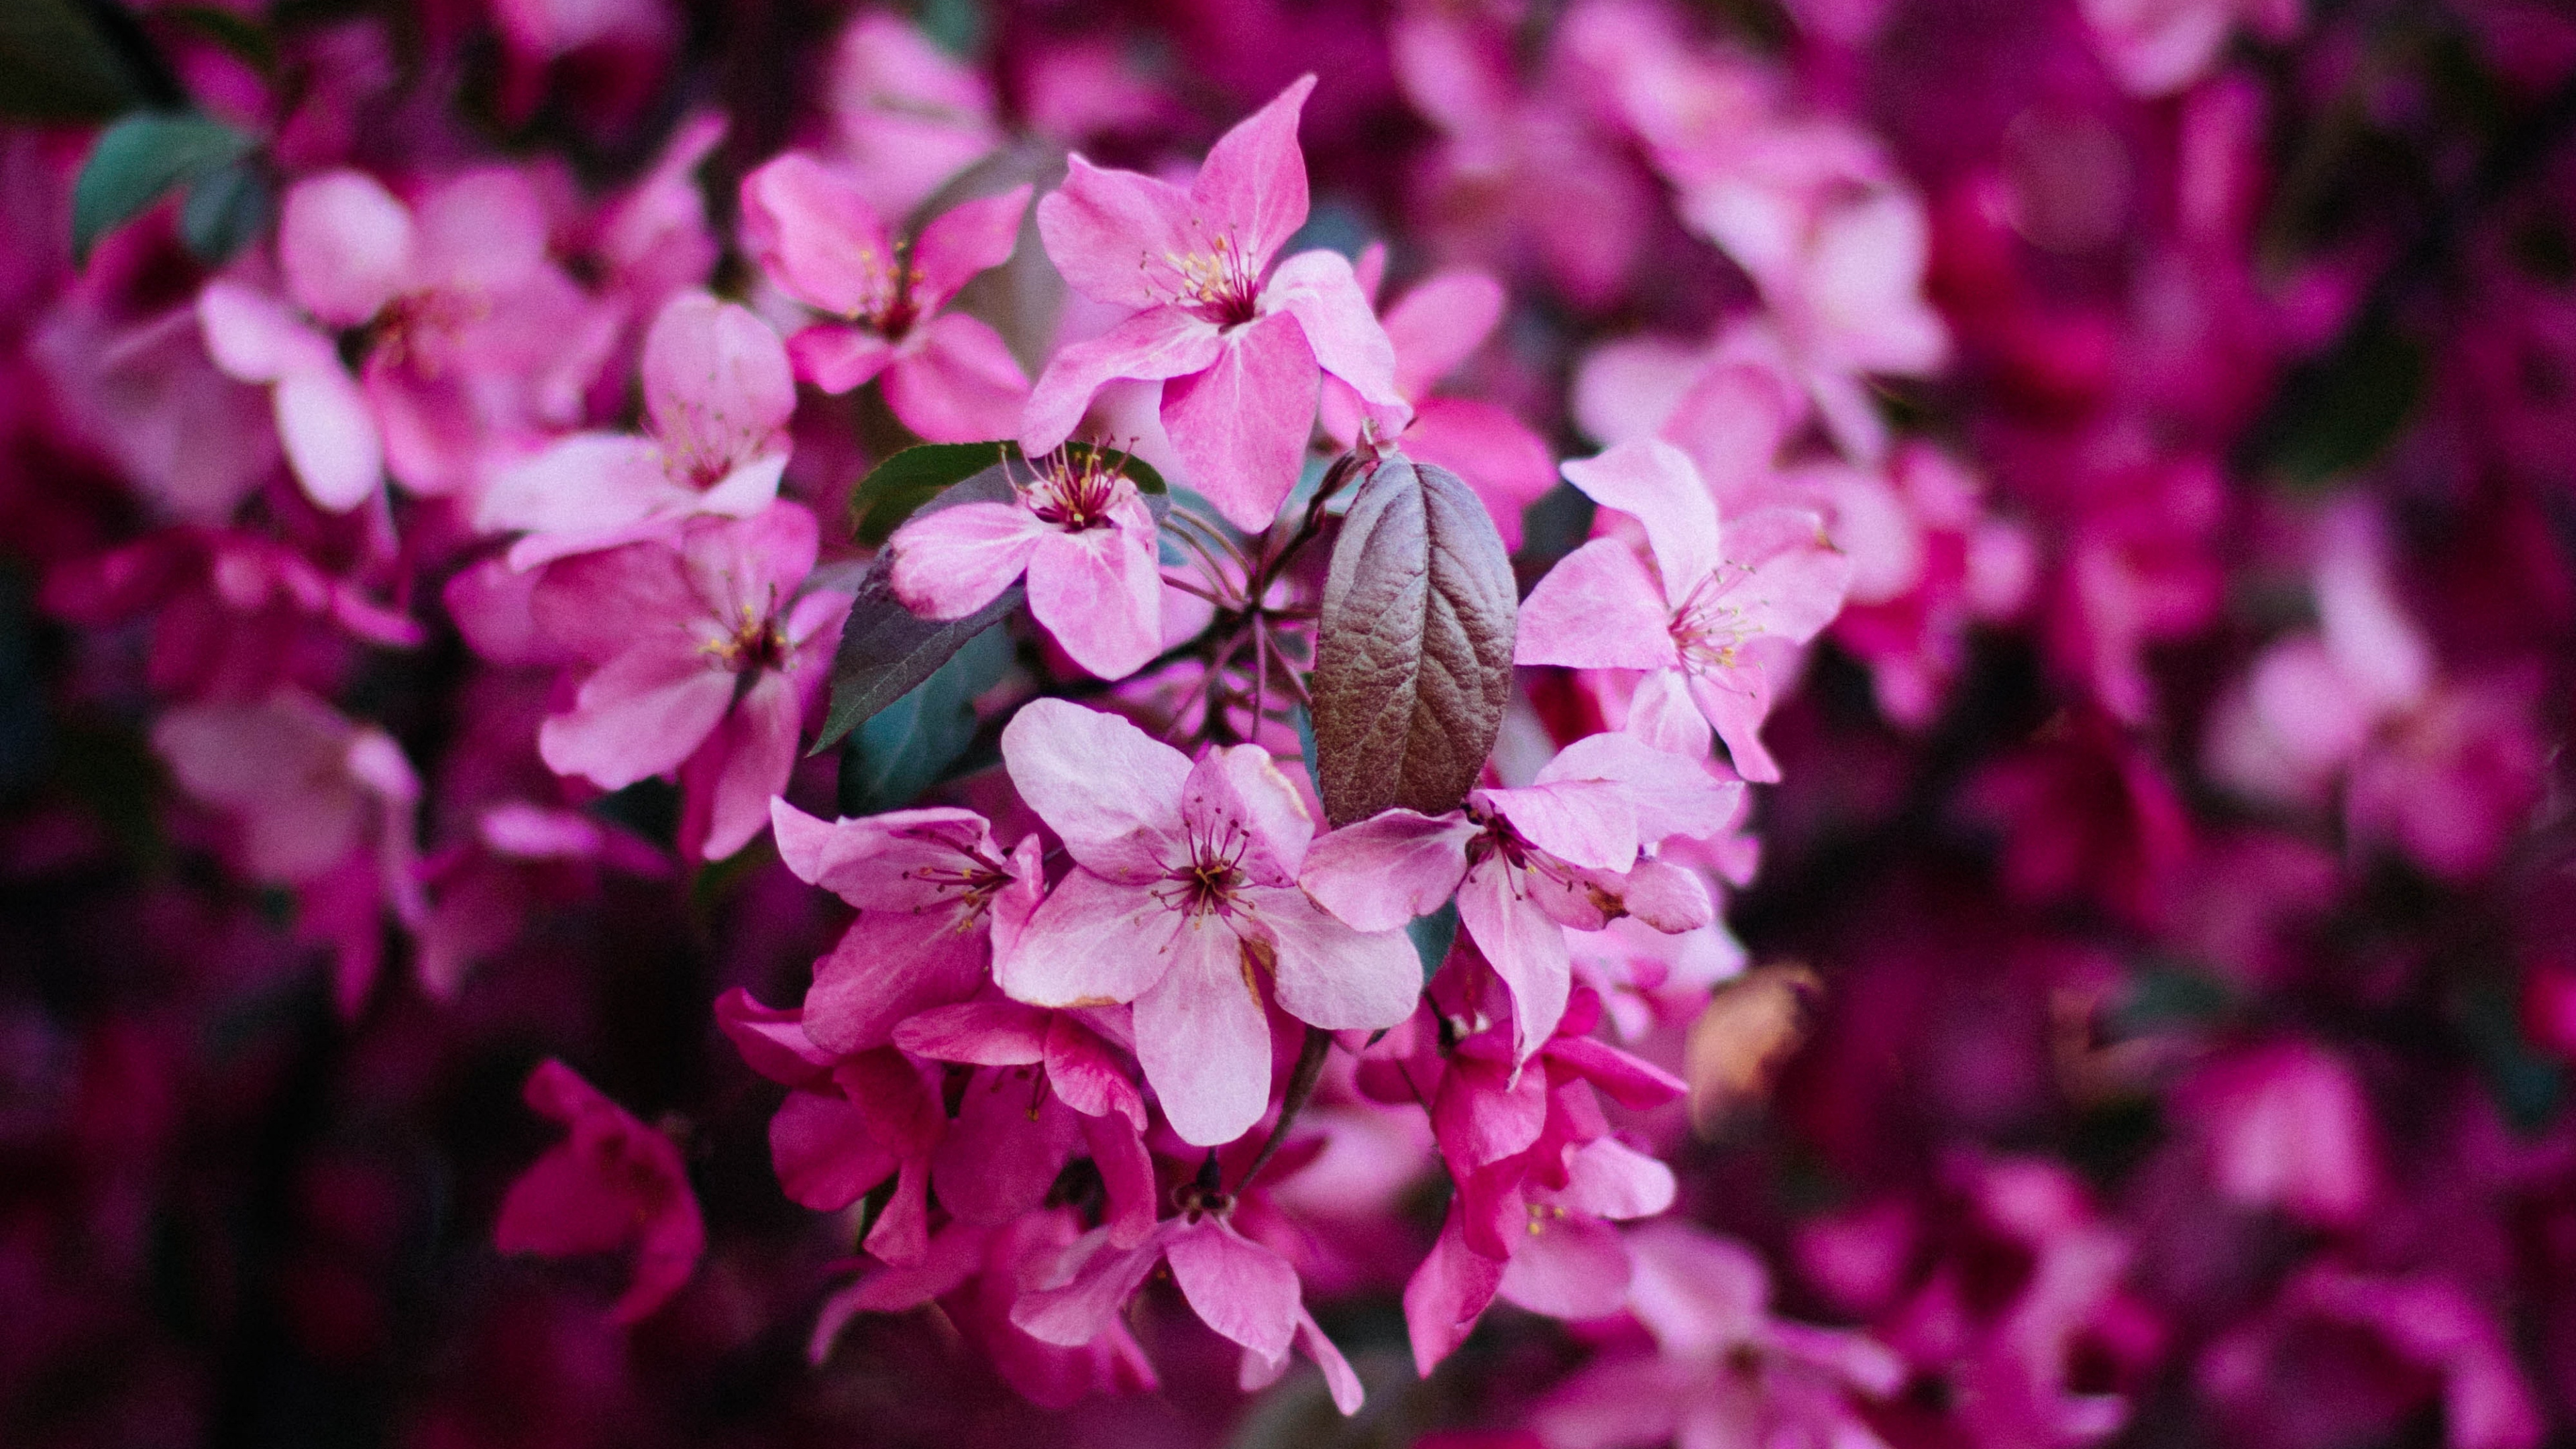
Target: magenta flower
1081, 533
614, 1183
1238, 346
1238, 1287
717, 395
1715, 620
1568, 849
470, 331
932, 889
946, 375
1185, 898
701, 657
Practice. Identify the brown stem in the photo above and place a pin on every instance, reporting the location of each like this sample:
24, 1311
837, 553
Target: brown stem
1301, 1085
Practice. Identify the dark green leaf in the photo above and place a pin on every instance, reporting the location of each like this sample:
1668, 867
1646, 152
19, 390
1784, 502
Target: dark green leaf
1432, 936
138, 160
2339, 412
908, 746
1413, 649
225, 209
887, 650
896, 488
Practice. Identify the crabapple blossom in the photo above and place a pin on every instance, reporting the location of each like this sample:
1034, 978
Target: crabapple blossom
614, 1183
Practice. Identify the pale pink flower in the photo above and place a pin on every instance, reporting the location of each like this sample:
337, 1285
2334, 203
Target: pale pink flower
717, 396
1714, 620
1238, 345
1080, 531
947, 376
1568, 849
907, 114
1185, 901
702, 657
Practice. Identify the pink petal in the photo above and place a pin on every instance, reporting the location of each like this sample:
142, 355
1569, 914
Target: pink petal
483, 230
816, 237
1109, 790
1126, 1174
1735, 702
958, 383
1654, 482
1236, 1286
1339, 1380
1317, 288
1089, 1077
1000, 1153
826, 1157
1446, 1295
878, 863
252, 338
1599, 608
949, 562
1159, 343
1509, 466
561, 1206
1796, 580
1092, 1281
1610, 1179
972, 236
330, 437
837, 358
600, 605
1329, 975
640, 715
346, 246
1524, 947
886, 968
586, 483
1113, 235
1240, 425
1568, 1268
717, 384
1100, 593
988, 1033
1253, 186
1731, 423
1092, 942
1378, 874
772, 1041
1632, 1082
1237, 794
1670, 794
757, 746
1439, 324
1202, 1036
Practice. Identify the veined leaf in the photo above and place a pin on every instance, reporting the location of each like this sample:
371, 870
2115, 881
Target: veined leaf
138, 160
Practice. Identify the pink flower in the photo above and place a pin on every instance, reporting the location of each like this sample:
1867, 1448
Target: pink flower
717, 395
323, 804
1715, 620
1238, 1287
1567, 849
906, 113
1081, 533
2285, 1125
614, 1183
1239, 347
1184, 898
2157, 47
701, 657
1438, 326
932, 889
947, 376
471, 332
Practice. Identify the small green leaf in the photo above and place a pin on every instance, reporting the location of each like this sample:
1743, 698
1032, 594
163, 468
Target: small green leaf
908, 746
225, 209
1432, 936
138, 160
897, 487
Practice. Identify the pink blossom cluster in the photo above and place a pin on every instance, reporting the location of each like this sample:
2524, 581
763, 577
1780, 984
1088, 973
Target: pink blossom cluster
1468, 724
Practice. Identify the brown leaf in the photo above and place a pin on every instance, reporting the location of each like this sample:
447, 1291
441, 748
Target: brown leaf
1413, 655
1752, 1026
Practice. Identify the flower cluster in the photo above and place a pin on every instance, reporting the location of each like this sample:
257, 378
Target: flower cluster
1577, 726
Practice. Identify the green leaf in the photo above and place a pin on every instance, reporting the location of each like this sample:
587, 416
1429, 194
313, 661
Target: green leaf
1432, 936
138, 160
2340, 412
908, 746
896, 488
224, 211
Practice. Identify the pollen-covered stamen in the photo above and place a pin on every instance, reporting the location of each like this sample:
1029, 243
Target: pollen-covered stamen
1212, 879
1075, 493
968, 886
1709, 626
1217, 280
885, 302
758, 642
409, 328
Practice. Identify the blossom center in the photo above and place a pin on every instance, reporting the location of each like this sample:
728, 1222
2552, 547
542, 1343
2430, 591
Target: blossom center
1218, 281
758, 641
1076, 493
1708, 628
409, 328
885, 295
1211, 881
